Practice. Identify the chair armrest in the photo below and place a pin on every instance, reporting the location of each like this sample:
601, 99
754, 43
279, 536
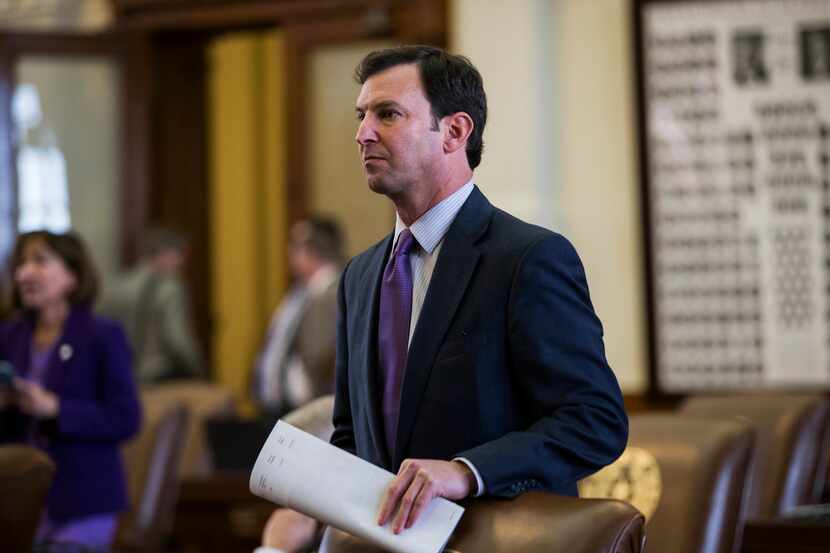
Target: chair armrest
534, 522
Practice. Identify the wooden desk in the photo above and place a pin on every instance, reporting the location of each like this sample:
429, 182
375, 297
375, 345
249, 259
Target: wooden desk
781, 535
219, 514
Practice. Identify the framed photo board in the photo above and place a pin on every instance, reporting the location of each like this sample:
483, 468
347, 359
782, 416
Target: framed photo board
734, 108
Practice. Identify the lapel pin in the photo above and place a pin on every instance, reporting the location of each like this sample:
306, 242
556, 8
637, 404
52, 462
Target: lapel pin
65, 352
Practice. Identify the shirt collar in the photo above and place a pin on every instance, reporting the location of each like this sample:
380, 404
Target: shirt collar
431, 227
321, 279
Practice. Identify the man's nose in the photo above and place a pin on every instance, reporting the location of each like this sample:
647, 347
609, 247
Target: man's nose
365, 132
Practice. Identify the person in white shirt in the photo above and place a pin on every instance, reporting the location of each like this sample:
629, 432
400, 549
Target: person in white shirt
296, 361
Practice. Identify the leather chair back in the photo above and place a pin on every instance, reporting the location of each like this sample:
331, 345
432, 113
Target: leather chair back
315, 417
204, 400
534, 522
152, 460
790, 461
697, 496
25, 476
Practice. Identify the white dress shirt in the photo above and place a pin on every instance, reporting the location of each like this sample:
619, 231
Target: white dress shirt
277, 365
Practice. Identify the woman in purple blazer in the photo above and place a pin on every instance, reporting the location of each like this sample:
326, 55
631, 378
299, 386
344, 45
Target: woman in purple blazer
73, 394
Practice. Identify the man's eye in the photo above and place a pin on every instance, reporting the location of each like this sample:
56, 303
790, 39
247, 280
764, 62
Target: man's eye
389, 114
361, 116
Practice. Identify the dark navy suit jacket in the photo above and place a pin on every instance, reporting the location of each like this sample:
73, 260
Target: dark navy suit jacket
91, 372
506, 365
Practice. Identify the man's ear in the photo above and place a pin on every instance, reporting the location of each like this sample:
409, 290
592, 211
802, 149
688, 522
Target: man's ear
457, 130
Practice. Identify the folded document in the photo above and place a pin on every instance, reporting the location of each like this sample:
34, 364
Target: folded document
300, 471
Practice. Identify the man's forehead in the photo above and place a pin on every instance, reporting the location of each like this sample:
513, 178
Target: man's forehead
395, 84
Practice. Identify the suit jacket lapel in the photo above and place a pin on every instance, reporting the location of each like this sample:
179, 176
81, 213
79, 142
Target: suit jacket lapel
368, 377
63, 355
20, 346
455, 266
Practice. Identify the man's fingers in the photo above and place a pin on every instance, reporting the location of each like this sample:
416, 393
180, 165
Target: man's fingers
420, 481
390, 501
426, 495
395, 490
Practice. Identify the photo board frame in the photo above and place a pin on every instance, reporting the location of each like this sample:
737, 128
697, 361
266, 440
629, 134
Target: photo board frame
734, 123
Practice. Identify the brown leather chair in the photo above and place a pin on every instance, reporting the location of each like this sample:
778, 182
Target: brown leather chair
25, 476
314, 417
152, 460
790, 461
692, 488
534, 522
204, 400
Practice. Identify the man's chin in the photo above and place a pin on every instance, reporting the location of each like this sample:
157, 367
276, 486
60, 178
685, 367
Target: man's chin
378, 185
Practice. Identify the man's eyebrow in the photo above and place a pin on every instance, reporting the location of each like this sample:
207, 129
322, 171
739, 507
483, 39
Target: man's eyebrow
383, 104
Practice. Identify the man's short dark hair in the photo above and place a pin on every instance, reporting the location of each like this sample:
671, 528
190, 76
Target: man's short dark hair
452, 84
72, 251
323, 237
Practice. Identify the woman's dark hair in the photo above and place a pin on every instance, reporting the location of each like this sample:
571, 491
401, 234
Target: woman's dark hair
72, 251
451, 83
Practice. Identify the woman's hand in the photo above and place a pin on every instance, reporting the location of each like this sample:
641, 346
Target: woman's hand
35, 400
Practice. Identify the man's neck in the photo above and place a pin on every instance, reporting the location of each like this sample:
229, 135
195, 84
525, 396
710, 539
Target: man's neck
411, 208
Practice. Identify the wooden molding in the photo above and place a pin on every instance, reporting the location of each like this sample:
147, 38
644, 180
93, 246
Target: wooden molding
184, 14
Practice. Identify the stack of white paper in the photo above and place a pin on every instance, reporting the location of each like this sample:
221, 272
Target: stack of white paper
300, 471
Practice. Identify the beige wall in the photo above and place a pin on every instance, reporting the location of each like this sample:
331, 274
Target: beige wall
509, 42
79, 99
338, 185
593, 196
600, 195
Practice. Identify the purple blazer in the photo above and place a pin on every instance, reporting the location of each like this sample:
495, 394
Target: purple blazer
91, 372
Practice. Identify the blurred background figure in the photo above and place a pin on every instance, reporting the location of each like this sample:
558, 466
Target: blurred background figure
72, 393
296, 360
151, 302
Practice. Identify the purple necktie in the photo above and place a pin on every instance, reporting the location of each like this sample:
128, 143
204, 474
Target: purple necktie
393, 332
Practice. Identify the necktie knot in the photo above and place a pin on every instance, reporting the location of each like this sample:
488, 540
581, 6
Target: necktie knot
405, 243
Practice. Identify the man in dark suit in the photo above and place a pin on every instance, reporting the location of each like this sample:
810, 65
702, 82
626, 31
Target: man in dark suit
469, 357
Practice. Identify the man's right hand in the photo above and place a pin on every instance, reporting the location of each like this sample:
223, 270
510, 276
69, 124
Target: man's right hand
418, 482
289, 531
